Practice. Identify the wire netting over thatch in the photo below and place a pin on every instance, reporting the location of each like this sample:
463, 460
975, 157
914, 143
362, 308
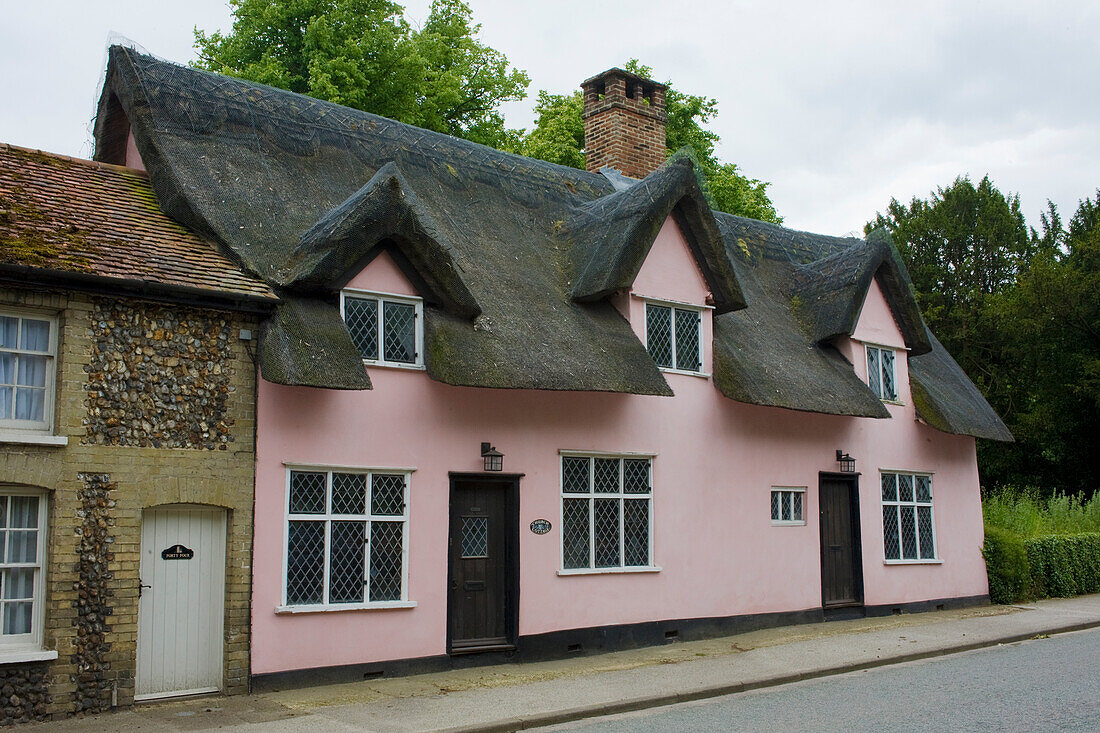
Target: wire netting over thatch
515, 257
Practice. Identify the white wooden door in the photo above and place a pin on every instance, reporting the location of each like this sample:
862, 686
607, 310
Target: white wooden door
181, 609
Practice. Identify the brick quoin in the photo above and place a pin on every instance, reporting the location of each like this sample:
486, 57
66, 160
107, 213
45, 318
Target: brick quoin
624, 123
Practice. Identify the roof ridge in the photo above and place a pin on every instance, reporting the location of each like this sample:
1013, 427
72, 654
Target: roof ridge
81, 161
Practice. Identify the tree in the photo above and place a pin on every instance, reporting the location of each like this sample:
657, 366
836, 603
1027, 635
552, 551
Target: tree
558, 137
363, 54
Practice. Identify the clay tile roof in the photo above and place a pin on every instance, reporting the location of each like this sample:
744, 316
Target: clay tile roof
61, 213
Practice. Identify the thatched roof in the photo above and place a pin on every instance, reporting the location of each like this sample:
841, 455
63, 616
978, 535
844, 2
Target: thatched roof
516, 258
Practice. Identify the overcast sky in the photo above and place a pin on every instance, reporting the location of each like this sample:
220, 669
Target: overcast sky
840, 105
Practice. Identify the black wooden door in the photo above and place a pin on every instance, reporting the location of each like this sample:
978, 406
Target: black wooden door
480, 549
841, 566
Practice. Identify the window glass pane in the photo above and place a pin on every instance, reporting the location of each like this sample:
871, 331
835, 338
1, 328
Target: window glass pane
797, 514
7, 368
17, 618
346, 579
31, 371
889, 487
30, 404
35, 335
6, 403
636, 476
361, 317
606, 524
775, 506
636, 532
24, 512
924, 488
475, 537
908, 533
905, 487
786, 506
890, 534
873, 370
399, 331
606, 475
349, 493
387, 494
307, 492
687, 340
18, 583
3, 511
385, 561
574, 475
889, 389
924, 527
22, 546
305, 562
658, 329
9, 332
574, 533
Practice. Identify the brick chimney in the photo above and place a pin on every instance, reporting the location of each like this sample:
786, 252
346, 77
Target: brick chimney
624, 123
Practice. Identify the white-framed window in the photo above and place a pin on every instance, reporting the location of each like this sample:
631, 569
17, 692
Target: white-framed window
387, 329
22, 563
346, 539
673, 336
908, 524
606, 512
788, 505
881, 376
28, 348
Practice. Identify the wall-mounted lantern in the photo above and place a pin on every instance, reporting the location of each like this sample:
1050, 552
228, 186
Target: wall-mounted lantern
847, 463
494, 459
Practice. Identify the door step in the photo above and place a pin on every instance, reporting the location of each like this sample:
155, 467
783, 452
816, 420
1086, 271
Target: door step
845, 613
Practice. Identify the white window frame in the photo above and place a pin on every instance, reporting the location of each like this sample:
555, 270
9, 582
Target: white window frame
418, 325
898, 504
895, 400
801, 522
28, 647
590, 496
34, 431
675, 305
328, 517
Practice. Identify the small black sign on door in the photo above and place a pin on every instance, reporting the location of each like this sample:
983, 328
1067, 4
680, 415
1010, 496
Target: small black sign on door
177, 552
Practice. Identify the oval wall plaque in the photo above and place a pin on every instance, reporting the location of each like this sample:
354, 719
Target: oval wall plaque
540, 526
177, 552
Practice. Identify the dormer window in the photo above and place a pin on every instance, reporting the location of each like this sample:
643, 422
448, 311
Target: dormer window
881, 377
673, 337
387, 329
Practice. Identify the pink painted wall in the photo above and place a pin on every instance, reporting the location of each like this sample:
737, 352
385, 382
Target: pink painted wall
133, 157
716, 461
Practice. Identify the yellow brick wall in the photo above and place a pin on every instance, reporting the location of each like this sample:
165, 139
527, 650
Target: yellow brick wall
143, 477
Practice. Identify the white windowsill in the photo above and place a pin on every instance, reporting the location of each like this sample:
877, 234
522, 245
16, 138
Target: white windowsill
781, 523
608, 571
686, 373
31, 438
394, 365
913, 562
337, 607
12, 656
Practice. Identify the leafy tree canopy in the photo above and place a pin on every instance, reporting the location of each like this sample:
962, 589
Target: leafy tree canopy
363, 54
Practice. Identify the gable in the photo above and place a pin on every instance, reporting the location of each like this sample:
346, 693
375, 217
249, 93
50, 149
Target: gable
876, 324
382, 275
670, 271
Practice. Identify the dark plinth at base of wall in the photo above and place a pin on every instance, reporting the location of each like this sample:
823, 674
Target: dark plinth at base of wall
592, 640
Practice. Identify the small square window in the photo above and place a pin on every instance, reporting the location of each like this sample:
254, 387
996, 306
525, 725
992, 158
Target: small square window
788, 505
881, 376
386, 329
673, 337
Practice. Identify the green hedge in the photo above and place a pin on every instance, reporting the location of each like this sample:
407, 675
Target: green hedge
1006, 564
1064, 565
1051, 566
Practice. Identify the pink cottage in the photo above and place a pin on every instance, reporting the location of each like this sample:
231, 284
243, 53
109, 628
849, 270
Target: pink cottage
508, 408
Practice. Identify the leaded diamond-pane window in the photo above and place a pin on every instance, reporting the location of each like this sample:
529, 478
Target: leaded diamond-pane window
907, 520
385, 329
673, 337
787, 505
610, 527
881, 374
475, 537
345, 537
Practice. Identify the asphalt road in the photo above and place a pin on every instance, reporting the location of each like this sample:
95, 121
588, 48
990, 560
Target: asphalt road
1050, 684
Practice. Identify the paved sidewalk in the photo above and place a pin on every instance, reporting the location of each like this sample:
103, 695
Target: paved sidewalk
516, 696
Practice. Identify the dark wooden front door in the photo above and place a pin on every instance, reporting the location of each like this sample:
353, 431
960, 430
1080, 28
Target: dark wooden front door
841, 562
483, 563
